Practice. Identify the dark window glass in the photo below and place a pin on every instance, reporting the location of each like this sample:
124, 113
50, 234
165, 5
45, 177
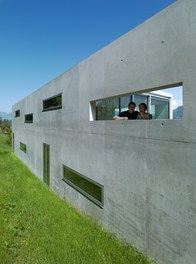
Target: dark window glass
124, 101
52, 103
17, 113
23, 147
89, 188
107, 108
46, 161
29, 118
13, 142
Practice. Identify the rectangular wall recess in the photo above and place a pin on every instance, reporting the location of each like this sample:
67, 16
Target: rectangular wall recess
165, 102
89, 188
23, 147
52, 103
29, 118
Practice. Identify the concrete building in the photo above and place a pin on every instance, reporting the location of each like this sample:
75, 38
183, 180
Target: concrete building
135, 177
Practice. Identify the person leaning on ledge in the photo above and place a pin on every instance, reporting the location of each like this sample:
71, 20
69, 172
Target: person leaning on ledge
142, 112
129, 114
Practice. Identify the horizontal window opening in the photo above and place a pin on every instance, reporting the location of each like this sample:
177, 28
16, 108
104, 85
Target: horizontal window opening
162, 103
29, 118
52, 103
23, 147
89, 188
17, 113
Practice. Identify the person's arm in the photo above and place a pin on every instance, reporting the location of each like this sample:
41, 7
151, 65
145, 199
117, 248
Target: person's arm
120, 118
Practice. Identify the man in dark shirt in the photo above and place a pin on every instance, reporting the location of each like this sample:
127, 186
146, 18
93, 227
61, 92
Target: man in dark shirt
129, 114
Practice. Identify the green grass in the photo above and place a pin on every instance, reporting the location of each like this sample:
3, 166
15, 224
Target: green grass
37, 227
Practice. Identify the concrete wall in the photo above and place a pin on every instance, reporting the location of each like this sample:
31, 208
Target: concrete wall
147, 168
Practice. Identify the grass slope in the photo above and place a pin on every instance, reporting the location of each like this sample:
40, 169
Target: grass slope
36, 227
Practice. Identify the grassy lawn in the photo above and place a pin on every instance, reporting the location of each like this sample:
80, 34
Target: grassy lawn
39, 228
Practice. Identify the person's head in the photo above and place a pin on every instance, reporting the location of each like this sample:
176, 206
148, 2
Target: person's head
142, 107
131, 107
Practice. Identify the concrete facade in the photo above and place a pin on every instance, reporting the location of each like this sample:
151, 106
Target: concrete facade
147, 168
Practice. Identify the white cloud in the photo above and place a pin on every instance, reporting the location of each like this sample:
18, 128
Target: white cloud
176, 103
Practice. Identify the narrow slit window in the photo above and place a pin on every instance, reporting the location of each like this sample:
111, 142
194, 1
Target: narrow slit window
89, 188
52, 103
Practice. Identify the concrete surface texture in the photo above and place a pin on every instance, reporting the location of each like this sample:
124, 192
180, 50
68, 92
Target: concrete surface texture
147, 168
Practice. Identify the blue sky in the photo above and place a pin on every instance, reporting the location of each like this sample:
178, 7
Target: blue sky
40, 39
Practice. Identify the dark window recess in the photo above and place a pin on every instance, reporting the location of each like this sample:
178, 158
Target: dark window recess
89, 188
52, 103
13, 142
23, 147
46, 163
17, 113
29, 118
